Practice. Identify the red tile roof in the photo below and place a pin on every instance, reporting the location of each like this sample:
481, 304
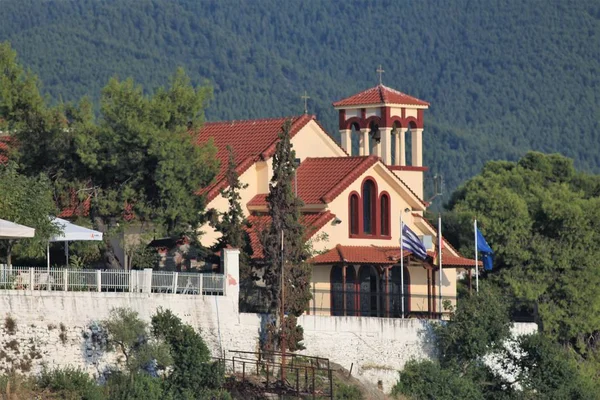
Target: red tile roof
380, 255
320, 180
379, 95
250, 139
312, 222
453, 261
4, 142
76, 207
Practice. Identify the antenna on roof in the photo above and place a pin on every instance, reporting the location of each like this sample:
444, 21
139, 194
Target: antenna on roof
305, 98
438, 186
380, 71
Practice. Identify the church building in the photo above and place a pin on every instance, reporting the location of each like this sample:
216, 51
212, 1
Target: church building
353, 203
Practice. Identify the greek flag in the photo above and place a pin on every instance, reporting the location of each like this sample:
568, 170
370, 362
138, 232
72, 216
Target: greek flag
412, 243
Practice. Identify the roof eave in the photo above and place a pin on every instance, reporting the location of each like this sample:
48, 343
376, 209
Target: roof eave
373, 105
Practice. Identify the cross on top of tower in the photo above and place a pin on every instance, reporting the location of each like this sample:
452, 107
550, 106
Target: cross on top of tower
380, 71
305, 97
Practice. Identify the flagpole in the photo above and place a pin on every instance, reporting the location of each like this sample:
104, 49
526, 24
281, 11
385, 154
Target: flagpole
401, 268
440, 258
476, 261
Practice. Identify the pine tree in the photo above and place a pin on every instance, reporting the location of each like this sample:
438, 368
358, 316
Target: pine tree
284, 210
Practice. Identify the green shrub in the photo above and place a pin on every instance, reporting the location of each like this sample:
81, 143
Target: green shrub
70, 384
346, 392
137, 387
426, 380
10, 324
192, 369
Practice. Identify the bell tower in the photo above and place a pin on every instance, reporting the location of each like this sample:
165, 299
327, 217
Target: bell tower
381, 117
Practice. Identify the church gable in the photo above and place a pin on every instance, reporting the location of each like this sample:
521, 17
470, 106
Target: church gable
368, 203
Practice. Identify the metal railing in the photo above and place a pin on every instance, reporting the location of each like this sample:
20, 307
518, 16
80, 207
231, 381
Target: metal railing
306, 377
146, 281
386, 304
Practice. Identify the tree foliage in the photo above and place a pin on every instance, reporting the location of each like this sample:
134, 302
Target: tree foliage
232, 223
192, 370
284, 212
166, 360
480, 359
502, 78
143, 159
27, 201
129, 335
479, 326
138, 162
542, 219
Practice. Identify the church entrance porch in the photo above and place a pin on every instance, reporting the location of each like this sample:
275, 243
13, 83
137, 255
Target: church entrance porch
366, 290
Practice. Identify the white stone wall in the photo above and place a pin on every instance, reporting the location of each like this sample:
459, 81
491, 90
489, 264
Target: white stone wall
375, 348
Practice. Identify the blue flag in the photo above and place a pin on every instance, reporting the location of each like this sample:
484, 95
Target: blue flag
412, 243
486, 251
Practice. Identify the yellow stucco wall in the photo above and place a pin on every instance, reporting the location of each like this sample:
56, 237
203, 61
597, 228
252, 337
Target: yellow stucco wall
413, 179
321, 301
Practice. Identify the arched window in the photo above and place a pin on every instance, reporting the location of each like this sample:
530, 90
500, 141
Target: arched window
384, 212
354, 214
369, 207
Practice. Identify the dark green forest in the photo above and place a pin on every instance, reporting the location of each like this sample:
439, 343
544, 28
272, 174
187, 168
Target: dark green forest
503, 77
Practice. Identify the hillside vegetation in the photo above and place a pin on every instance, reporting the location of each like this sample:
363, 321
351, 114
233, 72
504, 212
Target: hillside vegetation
503, 77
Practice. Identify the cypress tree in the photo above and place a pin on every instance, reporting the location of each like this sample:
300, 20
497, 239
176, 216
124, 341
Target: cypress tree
232, 222
284, 210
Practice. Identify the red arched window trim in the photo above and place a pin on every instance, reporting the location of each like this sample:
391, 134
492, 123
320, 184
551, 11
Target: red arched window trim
354, 213
375, 217
371, 216
384, 214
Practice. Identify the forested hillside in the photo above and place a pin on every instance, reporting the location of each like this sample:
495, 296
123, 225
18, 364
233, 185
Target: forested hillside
503, 77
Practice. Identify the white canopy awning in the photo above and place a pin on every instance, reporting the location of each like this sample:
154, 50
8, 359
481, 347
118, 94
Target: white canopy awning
72, 232
10, 230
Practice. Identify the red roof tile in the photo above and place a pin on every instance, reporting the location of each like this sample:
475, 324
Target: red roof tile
454, 261
320, 180
379, 255
260, 200
4, 141
250, 139
379, 95
76, 207
312, 222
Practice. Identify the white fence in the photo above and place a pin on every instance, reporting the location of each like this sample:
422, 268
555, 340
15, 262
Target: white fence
146, 281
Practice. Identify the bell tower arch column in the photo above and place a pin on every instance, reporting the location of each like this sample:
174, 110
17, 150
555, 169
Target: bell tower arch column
417, 147
364, 142
345, 135
386, 145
